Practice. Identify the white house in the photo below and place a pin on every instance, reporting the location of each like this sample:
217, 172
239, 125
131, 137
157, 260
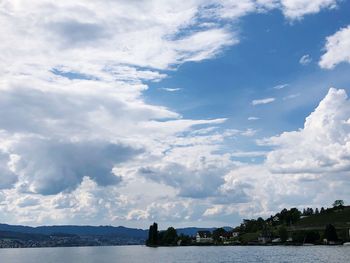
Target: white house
235, 234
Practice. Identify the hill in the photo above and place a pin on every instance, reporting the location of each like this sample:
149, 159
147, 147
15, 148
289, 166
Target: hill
340, 218
78, 230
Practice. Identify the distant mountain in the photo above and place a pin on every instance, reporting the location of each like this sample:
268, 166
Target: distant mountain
22, 236
119, 231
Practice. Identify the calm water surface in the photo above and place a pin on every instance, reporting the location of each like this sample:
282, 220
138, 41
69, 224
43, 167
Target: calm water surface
138, 254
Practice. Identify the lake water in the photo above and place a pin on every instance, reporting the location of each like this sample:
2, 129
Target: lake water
138, 254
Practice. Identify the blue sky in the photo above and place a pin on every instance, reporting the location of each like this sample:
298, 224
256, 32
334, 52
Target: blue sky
267, 56
197, 112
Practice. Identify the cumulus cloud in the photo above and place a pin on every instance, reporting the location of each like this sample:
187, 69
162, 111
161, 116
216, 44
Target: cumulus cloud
322, 146
337, 49
317, 153
72, 116
77, 136
193, 172
263, 101
50, 167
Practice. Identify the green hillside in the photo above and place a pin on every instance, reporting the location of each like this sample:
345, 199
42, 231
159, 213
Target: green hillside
338, 218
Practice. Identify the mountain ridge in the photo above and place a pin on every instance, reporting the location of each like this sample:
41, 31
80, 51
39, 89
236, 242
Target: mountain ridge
90, 230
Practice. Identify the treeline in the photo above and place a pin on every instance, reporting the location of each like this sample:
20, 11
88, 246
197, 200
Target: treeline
337, 205
168, 237
286, 217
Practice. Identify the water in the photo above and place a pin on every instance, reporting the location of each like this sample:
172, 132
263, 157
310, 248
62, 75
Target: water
138, 254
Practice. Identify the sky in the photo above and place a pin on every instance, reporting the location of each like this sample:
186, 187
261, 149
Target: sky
187, 113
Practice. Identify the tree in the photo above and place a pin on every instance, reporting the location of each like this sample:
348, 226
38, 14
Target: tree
169, 237
316, 211
338, 204
185, 240
153, 235
217, 233
330, 233
294, 215
282, 232
322, 210
290, 216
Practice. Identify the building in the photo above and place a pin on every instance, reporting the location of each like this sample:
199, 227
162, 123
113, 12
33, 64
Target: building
204, 237
275, 219
235, 234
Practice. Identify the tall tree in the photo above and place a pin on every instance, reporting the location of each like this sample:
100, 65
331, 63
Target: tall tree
153, 235
282, 231
338, 204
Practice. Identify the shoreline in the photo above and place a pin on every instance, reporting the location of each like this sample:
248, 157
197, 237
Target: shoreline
140, 245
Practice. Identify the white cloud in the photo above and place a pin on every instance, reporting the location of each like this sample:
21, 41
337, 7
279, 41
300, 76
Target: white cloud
83, 125
280, 86
305, 60
291, 96
215, 210
263, 101
75, 130
337, 49
296, 9
195, 171
171, 89
249, 132
252, 118
292, 9
322, 146
299, 164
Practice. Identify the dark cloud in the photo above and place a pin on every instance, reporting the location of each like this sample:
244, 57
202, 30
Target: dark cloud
236, 194
193, 183
51, 166
7, 177
73, 32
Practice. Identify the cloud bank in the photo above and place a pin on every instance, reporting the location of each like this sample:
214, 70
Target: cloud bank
78, 141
